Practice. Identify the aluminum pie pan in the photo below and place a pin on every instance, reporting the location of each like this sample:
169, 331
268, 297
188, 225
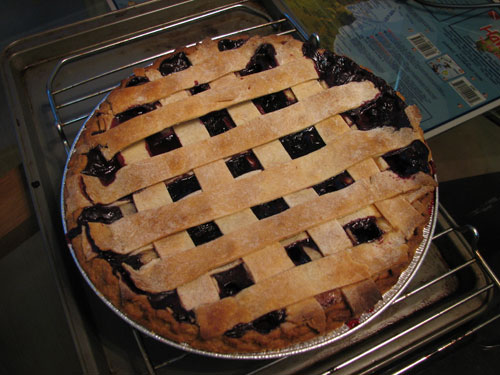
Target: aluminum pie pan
318, 342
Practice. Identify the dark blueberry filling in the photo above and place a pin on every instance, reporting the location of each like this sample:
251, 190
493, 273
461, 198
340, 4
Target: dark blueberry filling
116, 260
273, 102
174, 63
99, 214
204, 233
95, 214
263, 59
98, 166
243, 163
264, 324
72, 233
338, 70
310, 49
387, 109
297, 253
302, 143
334, 183
270, 208
409, 160
170, 299
162, 142
227, 44
183, 186
238, 330
136, 81
199, 88
270, 321
217, 122
363, 230
134, 112
233, 280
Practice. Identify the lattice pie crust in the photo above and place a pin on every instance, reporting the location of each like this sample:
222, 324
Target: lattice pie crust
247, 194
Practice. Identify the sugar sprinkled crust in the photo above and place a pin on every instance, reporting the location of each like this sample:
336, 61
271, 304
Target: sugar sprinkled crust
248, 194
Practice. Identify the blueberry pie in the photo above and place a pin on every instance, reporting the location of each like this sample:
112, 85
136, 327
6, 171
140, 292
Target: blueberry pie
247, 194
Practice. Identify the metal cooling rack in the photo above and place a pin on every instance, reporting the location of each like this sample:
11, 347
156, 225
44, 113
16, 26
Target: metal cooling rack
286, 24
62, 101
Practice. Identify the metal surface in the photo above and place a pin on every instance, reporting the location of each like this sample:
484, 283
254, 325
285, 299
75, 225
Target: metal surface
103, 342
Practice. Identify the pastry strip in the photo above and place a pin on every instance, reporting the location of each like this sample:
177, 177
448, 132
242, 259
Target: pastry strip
401, 214
160, 276
258, 262
308, 312
147, 226
299, 283
207, 70
256, 132
198, 292
235, 91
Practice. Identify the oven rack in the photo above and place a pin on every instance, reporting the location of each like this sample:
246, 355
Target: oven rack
281, 25
287, 24
492, 286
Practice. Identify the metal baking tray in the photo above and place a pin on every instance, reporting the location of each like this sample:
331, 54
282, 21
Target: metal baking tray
446, 300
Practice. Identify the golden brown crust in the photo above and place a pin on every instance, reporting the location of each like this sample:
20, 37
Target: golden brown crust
147, 226
168, 282
254, 133
233, 91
